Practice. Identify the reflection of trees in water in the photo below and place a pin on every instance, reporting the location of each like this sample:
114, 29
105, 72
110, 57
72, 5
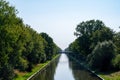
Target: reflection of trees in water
79, 72
48, 73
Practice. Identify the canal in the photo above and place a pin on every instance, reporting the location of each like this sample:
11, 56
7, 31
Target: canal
65, 68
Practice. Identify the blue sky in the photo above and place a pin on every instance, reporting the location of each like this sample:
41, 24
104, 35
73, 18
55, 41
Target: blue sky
59, 18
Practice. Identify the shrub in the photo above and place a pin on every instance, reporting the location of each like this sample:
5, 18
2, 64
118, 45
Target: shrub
23, 64
116, 62
101, 56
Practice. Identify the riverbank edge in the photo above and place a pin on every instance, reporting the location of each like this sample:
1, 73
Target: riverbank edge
93, 72
43, 67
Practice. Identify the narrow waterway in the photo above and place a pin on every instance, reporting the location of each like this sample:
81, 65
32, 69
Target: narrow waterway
65, 68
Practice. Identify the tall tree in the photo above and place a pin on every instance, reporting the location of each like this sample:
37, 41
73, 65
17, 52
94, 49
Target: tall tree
49, 48
91, 32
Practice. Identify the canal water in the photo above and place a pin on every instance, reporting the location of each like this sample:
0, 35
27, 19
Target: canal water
65, 68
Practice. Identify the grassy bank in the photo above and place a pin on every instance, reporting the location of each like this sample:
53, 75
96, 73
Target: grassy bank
110, 75
38, 67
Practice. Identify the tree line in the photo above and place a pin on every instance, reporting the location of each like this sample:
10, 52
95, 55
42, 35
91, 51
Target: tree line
97, 45
21, 47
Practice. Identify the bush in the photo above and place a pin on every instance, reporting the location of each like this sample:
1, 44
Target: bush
116, 62
101, 56
22, 64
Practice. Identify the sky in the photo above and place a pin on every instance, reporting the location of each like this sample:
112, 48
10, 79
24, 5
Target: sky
59, 18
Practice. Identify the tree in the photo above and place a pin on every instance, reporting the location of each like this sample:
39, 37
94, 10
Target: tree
74, 46
101, 56
8, 20
37, 53
91, 32
49, 47
6, 72
88, 27
8, 14
116, 40
84, 32
21, 47
105, 34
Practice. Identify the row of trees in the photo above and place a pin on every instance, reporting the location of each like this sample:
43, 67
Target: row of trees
98, 44
21, 47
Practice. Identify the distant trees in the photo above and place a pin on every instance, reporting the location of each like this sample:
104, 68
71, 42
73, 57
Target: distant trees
97, 43
21, 47
75, 46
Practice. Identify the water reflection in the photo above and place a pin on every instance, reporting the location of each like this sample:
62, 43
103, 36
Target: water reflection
79, 72
48, 72
65, 68
63, 71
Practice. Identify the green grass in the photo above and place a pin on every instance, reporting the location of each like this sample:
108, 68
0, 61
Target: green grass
38, 67
110, 75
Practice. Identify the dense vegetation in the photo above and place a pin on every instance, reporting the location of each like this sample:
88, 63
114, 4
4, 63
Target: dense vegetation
21, 47
98, 45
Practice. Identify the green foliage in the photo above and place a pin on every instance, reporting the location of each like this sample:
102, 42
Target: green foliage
91, 32
8, 14
38, 49
21, 47
105, 34
75, 46
116, 40
102, 55
97, 44
22, 64
116, 62
49, 48
88, 27
6, 72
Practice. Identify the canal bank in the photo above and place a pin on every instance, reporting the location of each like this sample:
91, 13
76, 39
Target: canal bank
35, 70
43, 67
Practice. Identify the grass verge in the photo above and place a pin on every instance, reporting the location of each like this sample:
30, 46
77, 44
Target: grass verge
110, 75
38, 67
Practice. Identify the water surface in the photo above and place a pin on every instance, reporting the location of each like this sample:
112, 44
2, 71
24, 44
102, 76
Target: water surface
65, 68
